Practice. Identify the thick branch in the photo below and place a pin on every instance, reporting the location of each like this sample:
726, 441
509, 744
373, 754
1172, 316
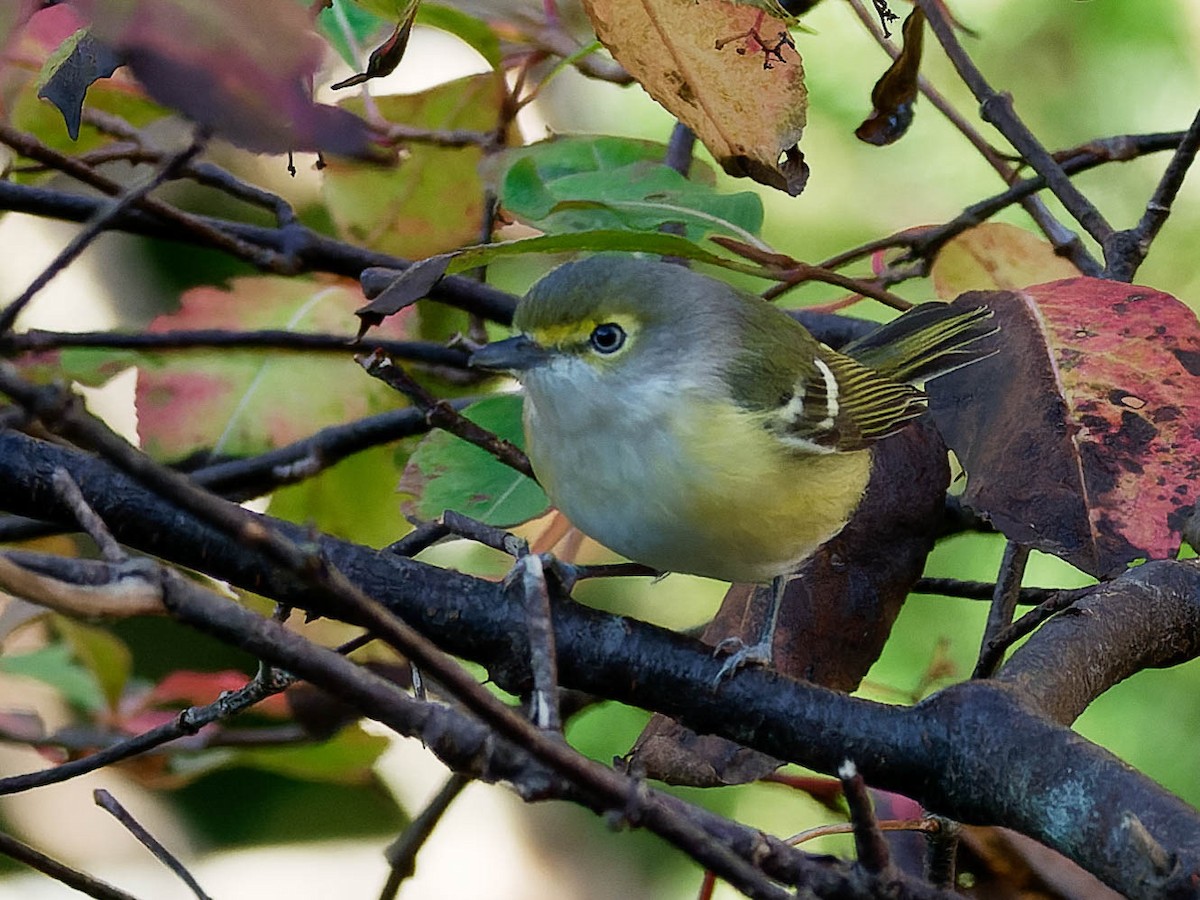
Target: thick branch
978, 752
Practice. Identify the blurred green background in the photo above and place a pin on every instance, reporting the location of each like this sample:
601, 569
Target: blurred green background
1077, 71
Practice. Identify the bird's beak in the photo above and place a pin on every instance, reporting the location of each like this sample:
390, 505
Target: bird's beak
513, 355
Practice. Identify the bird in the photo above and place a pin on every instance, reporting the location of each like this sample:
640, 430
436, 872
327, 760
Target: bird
694, 427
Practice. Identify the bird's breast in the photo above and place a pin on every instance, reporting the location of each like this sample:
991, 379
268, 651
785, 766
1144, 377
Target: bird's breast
688, 484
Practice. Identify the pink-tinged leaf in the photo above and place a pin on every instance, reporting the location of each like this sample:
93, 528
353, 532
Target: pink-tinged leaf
13, 16
240, 69
433, 201
188, 688
728, 71
240, 402
997, 256
1082, 436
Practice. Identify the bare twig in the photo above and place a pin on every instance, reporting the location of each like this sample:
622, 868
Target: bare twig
1004, 602
241, 479
482, 533
1065, 241
109, 804
992, 651
401, 855
68, 491
986, 590
424, 352
93, 228
924, 243
65, 415
872, 848
679, 149
543, 662
942, 859
63, 874
997, 108
422, 537
189, 722
440, 414
1131, 247
196, 227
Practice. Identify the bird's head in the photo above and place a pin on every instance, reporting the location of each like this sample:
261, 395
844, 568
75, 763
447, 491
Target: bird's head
611, 321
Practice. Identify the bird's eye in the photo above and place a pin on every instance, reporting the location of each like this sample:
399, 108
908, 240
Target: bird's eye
607, 338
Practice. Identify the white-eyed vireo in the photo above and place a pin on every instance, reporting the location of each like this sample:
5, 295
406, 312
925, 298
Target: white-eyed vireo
695, 428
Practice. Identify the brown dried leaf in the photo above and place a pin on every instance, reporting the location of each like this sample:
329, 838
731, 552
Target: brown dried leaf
729, 72
896, 91
1082, 436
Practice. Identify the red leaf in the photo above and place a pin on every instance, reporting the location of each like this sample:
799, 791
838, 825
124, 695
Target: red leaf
241, 69
1082, 436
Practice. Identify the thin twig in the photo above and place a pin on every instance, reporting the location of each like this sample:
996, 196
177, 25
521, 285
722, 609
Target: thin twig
993, 648
1004, 602
401, 855
482, 533
440, 414
109, 804
64, 415
68, 491
543, 661
84, 237
924, 243
679, 149
63, 874
422, 537
189, 722
986, 590
37, 340
196, 227
997, 108
869, 842
941, 860
1132, 246
1064, 241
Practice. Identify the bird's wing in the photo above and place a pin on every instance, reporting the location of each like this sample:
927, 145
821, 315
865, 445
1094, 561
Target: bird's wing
840, 405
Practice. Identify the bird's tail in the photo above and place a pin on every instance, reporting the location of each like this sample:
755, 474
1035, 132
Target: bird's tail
927, 341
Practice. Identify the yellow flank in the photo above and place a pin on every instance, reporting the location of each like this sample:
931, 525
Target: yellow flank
701, 488
763, 507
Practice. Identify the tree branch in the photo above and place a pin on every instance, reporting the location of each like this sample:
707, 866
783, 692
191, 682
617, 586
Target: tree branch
951, 752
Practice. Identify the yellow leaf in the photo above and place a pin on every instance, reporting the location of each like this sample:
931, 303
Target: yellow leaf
729, 72
997, 256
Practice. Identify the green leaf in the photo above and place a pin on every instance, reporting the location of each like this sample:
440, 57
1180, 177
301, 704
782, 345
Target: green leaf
657, 243
433, 201
350, 500
585, 184
102, 653
346, 758
56, 666
472, 31
345, 22
446, 472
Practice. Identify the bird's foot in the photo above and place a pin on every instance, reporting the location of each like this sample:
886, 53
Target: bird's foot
740, 655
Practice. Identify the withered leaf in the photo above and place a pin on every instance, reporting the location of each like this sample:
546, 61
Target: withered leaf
728, 71
895, 93
1081, 437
